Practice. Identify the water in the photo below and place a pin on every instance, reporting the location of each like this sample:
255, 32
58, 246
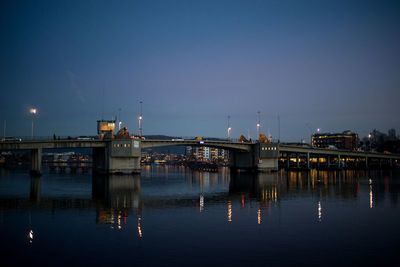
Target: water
172, 216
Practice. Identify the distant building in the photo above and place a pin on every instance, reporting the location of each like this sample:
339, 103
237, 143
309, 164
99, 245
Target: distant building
346, 140
205, 153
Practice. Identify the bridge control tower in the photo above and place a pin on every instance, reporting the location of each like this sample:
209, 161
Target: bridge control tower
105, 128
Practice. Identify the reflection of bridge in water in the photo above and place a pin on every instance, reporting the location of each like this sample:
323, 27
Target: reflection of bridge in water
118, 196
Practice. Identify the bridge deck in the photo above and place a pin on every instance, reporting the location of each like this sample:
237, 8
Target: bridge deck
335, 152
53, 144
58, 144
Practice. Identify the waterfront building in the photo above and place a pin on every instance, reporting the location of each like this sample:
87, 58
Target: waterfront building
346, 140
205, 153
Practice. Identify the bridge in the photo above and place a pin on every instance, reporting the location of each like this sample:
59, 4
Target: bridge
123, 155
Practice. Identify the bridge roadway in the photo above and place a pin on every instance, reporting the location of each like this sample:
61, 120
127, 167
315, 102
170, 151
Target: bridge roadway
119, 155
335, 152
59, 144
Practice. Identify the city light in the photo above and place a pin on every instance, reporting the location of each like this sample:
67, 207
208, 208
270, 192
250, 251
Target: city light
201, 203
140, 119
33, 111
229, 211
30, 236
258, 124
229, 128
139, 228
371, 195
319, 211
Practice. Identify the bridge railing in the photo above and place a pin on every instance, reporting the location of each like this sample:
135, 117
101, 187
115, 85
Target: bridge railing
48, 138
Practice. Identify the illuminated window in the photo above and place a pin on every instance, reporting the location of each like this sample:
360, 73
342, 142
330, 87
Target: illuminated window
124, 145
117, 145
129, 145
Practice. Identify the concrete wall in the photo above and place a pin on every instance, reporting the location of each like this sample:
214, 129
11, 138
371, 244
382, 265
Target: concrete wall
266, 156
119, 156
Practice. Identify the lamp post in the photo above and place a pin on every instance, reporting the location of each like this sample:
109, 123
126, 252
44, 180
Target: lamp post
369, 142
33, 111
258, 124
140, 119
119, 119
229, 128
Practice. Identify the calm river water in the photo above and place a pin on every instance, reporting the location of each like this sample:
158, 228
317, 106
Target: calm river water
173, 216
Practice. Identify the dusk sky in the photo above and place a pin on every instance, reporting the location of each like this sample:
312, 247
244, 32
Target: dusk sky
333, 65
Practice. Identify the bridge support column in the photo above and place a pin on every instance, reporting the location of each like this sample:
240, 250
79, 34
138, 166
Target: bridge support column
267, 155
328, 161
36, 162
287, 160
297, 161
242, 160
317, 161
119, 156
339, 162
308, 160
366, 162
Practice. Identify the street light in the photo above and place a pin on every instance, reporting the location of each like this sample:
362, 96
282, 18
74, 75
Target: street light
33, 111
258, 124
140, 119
119, 119
229, 128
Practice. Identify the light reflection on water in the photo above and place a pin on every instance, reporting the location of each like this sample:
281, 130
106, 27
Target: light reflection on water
167, 212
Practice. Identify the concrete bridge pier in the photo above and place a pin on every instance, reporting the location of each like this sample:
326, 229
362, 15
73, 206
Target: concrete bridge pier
119, 156
267, 154
308, 160
287, 161
240, 160
36, 162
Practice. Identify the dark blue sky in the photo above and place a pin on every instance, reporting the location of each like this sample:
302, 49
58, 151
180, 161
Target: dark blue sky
328, 64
